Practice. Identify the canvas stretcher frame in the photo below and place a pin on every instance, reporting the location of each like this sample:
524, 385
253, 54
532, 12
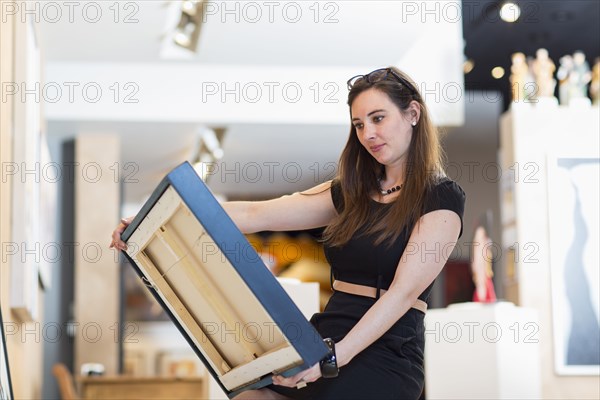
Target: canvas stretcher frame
215, 287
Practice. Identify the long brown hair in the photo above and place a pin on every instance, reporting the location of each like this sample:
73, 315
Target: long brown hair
359, 172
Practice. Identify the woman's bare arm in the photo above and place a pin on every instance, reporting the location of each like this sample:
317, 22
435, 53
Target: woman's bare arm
312, 208
301, 210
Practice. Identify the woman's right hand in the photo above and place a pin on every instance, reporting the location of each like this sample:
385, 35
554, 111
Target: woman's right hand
117, 243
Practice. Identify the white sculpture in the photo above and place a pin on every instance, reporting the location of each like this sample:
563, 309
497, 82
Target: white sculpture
543, 70
521, 80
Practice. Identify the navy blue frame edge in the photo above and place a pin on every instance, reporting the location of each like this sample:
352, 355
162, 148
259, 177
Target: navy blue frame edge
198, 198
5, 349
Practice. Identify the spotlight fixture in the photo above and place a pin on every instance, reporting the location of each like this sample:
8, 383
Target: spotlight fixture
208, 150
510, 12
212, 143
498, 72
189, 7
187, 32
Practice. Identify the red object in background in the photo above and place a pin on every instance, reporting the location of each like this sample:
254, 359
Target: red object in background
458, 282
490, 294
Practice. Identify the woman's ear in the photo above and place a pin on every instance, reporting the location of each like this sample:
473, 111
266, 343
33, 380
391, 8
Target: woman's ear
414, 109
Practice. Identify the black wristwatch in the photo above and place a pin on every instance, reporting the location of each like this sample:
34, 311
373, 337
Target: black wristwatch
329, 367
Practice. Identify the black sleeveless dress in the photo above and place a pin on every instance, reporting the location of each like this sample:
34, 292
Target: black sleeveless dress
391, 367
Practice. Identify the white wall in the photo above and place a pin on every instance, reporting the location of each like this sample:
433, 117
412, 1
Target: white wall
530, 135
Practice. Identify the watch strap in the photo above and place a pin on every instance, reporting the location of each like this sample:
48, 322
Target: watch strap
329, 367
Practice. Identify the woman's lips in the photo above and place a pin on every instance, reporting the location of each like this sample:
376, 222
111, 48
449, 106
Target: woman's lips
375, 149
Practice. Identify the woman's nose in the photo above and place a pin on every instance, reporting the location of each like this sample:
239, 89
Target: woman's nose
369, 132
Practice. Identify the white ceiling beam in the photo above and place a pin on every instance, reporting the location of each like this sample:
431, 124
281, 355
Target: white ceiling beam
219, 94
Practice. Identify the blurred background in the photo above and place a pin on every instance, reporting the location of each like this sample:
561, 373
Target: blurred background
101, 99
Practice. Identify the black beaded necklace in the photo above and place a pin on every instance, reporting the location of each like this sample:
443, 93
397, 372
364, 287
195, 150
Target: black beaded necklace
388, 191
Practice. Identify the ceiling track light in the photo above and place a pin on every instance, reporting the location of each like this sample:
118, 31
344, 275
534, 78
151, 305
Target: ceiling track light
187, 32
208, 150
190, 7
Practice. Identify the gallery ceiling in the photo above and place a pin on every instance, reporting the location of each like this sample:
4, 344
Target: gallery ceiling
352, 34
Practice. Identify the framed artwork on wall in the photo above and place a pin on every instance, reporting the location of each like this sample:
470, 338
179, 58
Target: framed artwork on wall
25, 250
573, 204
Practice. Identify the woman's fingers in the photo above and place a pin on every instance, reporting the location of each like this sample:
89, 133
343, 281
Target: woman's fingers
116, 242
289, 382
300, 379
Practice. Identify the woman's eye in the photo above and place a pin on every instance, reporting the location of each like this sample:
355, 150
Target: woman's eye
378, 118
358, 126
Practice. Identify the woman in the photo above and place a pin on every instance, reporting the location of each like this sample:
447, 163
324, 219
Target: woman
392, 218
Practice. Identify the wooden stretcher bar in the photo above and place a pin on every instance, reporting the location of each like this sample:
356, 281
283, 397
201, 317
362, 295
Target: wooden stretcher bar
215, 287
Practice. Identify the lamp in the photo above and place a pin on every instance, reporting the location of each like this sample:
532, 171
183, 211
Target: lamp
208, 150
510, 12
187, 31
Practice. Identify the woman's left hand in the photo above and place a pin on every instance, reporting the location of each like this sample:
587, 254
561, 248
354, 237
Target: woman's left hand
306, 376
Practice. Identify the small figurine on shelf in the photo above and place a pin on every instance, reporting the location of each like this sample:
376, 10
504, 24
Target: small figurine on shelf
543, 70
580, 77
563, 75
595, 85
521, 81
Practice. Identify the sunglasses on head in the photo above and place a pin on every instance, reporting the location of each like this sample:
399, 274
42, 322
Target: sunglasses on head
379, 75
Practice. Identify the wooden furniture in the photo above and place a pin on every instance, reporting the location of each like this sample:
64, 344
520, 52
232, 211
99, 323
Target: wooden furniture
147, 388
66, 385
